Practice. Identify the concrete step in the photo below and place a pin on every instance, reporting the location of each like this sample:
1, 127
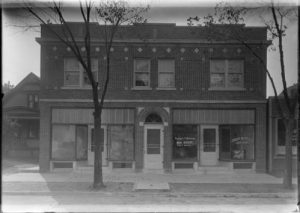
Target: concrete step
214, 170
153, 171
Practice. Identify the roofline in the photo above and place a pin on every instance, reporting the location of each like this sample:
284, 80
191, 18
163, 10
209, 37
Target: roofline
19, 85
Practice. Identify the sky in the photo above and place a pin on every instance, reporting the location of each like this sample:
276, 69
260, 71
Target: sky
21, 53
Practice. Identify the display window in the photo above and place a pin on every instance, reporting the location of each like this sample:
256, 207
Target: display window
185, 142
63, 142
69, 142
236, 142
121, 142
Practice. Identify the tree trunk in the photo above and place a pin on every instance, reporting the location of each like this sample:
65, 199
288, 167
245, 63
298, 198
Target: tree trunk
287, 180
98, 178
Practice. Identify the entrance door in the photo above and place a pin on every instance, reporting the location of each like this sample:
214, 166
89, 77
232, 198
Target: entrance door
153, 147
209, 147
92, 144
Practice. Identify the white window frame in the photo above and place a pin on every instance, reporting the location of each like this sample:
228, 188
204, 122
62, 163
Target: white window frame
280, 150
81, 74
226, 75
135, 72
172, 72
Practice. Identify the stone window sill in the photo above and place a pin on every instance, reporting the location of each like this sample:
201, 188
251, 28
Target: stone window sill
141, 88
227, 89
165, 88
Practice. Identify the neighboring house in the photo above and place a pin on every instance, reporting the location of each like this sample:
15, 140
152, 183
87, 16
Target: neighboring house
276, 135
176, 100
22, 118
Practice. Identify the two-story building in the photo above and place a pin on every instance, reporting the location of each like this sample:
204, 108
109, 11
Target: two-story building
176, 99
21, 119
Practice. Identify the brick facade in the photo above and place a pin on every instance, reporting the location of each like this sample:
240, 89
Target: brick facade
191, 51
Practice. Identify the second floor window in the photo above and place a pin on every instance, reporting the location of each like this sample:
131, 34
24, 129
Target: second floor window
226, 74
141, 73
33, 101
166, 73
75, 75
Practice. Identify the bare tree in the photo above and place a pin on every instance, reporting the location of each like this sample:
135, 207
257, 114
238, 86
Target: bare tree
276, 18
112, 14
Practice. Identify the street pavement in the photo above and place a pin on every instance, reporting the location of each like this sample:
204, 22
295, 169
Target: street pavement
26, 190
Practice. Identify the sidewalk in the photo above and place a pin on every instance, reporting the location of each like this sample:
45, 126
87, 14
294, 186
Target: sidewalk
25, 179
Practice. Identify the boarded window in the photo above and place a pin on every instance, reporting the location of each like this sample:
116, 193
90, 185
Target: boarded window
121, 142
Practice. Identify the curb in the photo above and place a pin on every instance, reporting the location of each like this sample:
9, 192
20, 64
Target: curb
160, 193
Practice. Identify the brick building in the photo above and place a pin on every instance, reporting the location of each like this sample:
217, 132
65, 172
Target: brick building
176, 99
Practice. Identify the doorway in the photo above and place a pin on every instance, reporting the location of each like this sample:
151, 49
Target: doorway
153, 146
209, 145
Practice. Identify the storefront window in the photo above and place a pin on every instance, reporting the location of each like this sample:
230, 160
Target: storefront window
63, 142
185, 142
121, 142
236, 142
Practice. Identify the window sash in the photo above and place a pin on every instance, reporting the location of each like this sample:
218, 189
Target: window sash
73, 68
141, 65
166, 66
226, 73
166, 73
141, 73
72, 82
166, 80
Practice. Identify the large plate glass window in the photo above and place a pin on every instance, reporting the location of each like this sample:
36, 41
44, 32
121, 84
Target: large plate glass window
121, 142
141, 73
185, 142
166, 73
226, 74
63, 142
236, 142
